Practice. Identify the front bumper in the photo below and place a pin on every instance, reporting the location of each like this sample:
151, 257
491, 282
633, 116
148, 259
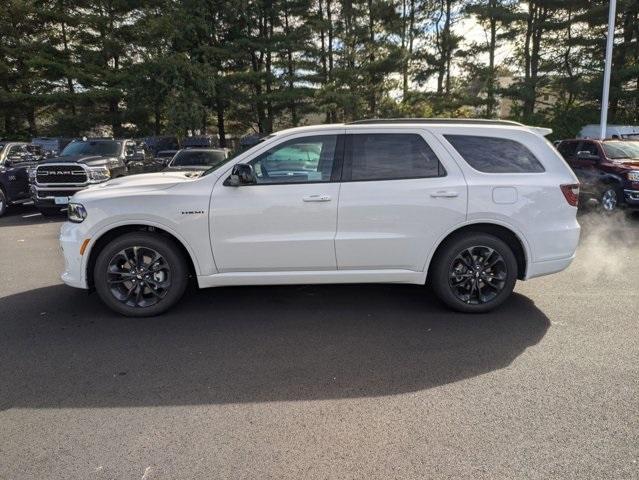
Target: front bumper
71, 238
631, 198
45, 196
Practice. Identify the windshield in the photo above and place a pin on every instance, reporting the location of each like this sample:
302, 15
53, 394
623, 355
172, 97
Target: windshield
92, 147
198, 158
166, 153
621, 150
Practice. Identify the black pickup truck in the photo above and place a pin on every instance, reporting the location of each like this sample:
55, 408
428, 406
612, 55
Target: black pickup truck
15, 160
86, 162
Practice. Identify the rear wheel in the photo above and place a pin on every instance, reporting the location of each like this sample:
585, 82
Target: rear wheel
140, 274
474, 273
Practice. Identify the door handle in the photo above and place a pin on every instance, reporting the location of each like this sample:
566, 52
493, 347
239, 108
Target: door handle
317, 198
444, 194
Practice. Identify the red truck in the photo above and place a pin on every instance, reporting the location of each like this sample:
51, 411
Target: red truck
608, 170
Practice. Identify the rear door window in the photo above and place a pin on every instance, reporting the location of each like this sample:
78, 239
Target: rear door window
495, 155
391, 156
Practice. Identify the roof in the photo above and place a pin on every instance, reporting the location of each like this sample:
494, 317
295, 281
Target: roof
434, 121
469, 122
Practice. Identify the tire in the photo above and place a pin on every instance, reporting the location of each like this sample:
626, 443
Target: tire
161, 282
3, 203
453, 273
610, 200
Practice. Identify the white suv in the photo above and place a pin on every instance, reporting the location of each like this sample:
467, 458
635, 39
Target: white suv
471, 206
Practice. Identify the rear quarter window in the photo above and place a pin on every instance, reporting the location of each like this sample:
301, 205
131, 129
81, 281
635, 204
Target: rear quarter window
495, 155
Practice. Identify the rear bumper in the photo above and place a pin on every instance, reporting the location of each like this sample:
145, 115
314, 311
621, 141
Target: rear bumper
539, 269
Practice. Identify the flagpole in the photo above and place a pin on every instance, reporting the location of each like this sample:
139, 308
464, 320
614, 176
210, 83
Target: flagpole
608, 67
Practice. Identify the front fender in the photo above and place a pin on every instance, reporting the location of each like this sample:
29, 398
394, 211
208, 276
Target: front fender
101, 229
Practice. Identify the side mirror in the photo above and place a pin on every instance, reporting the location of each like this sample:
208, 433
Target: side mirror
242, 174
586, 155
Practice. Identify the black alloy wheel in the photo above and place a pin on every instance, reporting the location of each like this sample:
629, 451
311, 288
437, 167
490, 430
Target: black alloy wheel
140, 274
477, 275
473, 272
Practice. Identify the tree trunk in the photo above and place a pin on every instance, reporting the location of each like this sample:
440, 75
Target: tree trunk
449, 46
221, 127
291, 69
332, 115
490, 95
157, 113
372, 102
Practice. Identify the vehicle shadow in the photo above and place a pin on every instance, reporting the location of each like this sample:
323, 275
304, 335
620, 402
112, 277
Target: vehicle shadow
61, 348
18, 215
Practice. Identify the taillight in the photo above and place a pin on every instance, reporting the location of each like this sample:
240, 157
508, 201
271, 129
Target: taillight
571, 192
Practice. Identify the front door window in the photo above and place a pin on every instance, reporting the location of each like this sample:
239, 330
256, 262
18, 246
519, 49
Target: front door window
301, 160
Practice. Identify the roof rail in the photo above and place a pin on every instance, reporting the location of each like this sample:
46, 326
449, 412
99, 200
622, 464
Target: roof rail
475, 121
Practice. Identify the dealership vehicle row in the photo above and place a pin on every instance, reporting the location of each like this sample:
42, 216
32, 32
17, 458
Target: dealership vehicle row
41, 173
608, 170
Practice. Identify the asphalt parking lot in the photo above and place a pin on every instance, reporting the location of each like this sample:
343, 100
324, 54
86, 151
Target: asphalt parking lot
328, 382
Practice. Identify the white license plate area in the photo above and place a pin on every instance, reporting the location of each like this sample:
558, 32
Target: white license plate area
61, 200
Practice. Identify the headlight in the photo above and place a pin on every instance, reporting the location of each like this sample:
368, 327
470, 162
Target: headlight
98, 174
633, 176
32, 174
76, 212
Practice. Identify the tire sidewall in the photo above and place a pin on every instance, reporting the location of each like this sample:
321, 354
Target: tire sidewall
165, 247
618, 195
3, 203
445, 259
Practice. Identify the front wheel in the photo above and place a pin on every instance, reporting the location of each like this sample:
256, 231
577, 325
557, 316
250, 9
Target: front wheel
140, 274
474, 273
3, 203
609, 200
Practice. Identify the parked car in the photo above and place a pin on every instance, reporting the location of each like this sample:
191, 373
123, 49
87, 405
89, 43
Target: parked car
159, 143
165, 156
51, 146
15, 160
197, 159
608, 170
139, 159
82, 163
199, 141
469, 206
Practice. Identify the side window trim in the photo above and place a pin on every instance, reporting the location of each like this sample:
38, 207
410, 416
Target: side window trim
347, 171
336, 170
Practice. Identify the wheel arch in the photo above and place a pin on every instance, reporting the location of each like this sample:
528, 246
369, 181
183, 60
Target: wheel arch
110, 234
504, 233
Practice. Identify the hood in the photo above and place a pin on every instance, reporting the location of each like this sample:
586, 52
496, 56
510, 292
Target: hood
629, 164
188, 168
138, 183
87, 159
